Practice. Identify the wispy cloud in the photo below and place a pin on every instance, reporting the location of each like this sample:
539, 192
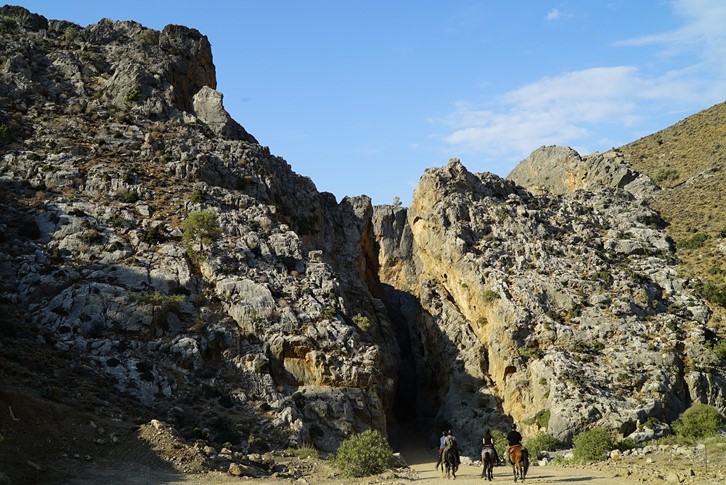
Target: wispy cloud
575, 107
553, 14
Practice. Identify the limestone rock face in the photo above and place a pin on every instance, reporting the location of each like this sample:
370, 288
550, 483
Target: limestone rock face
560, 170
271, 335
567, 306
207, 104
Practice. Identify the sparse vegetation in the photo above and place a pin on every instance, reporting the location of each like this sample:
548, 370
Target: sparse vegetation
196, 197
161, 304
133, 95
695, 242
362, 322
713, 292
148, 36
128, 197
665, 175
490, 296
5, 132
531, 353
364, 454
305, 452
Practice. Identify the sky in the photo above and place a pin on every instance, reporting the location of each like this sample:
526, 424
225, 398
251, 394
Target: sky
363, 95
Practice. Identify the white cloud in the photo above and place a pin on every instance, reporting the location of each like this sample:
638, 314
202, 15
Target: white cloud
577, 108
702, 32
553, 14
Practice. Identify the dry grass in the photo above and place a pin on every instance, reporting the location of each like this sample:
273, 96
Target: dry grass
688, 160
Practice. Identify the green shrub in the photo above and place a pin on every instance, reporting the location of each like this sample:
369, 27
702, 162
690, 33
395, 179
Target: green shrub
530, 352
128, 197
5, 132
364, 454
148, 36
132, 95
625, 444
592, 445
713, 292
539, 443
489, 296
500, 439
196, 197
698, 421
362, 322
720, 349
697, 241
305, 452
665, 174
328, 312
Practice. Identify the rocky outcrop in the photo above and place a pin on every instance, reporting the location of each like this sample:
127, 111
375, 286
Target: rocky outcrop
117, 132
560, 170
561, 306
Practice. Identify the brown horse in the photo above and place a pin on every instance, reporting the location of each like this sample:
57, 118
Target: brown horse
487, 459
519, 458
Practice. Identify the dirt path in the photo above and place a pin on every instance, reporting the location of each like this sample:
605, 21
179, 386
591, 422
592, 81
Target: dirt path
423, 462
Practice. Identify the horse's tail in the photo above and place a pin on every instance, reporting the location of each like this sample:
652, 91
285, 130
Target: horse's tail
525, 459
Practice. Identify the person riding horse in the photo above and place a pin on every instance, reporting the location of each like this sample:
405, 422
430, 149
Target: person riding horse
442, 445
488, 446
514, 439
450, 455
489, 456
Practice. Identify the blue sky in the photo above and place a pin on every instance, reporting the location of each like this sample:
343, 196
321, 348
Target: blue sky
363, 96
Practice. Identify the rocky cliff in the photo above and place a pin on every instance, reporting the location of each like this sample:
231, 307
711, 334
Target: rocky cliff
113, 134
560, 311
304, 319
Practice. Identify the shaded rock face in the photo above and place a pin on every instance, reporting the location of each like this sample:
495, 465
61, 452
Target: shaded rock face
272, 335
533, 305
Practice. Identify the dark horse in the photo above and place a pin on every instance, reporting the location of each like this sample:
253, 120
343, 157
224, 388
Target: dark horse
487, 459
451, 462
519, 458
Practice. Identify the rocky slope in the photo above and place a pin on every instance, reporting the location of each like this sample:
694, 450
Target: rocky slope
305, 319
562, 311
112, 135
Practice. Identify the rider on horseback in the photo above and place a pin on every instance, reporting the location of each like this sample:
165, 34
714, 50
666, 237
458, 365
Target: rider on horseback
442, 445
488, 445
514, 439
451, 451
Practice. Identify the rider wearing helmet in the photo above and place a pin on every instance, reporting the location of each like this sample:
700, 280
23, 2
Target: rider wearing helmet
514, 439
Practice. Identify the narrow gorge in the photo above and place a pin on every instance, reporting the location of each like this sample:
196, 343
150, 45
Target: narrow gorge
305, 319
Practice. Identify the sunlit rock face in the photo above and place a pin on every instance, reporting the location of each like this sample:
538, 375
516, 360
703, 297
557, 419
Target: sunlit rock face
564, 306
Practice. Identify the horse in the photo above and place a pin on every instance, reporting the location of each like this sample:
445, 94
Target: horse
519, 458
450, 462
487, 459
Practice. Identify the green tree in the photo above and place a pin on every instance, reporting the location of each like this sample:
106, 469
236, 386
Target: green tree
699, 421
364, 454
200, 227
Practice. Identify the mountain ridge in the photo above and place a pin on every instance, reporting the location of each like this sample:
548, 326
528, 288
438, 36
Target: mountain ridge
305, 319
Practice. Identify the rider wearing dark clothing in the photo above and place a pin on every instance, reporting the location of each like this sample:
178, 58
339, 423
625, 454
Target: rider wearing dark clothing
488, 443
452, 446
514, 439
